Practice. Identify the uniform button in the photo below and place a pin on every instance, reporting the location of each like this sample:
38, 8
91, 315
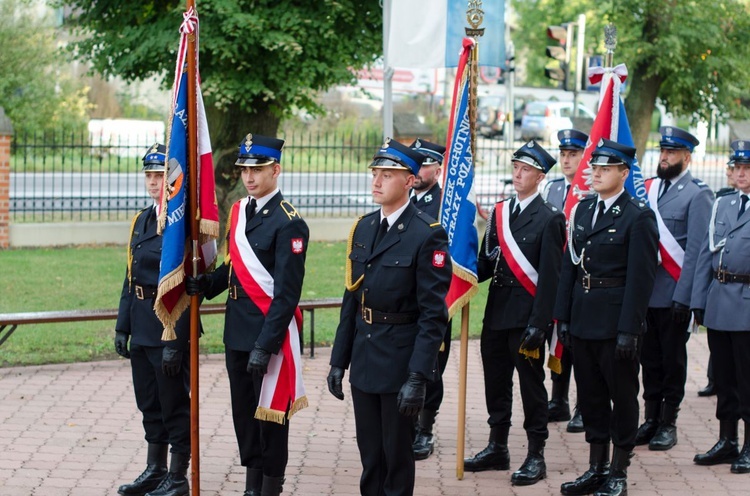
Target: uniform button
367, 290
726, 251
368, 335
396, 262
138, 246
588, 242
731, 235
588, 259
369, 265
135, 262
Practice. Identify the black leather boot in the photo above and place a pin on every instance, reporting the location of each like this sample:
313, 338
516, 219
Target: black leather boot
272, 486
594, 477
617, 482
495, 456
709, 390
175, 483
742, 464
156, 470
576, 423
533, 468
666, 435
648, 428
724, 451
253, 482
424, 441
558, 409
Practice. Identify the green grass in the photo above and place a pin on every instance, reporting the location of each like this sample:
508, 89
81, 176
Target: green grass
89, 277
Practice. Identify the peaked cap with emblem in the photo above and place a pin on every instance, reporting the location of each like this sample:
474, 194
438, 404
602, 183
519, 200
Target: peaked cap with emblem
533, 154
572, 139
740, 153
674, 138
256, 150
394, 155
433, 153
155, 158
610, 152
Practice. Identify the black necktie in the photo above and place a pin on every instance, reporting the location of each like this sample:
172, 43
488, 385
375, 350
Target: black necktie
514, 213
743, 199
600, 213
414, 199
565, 196
250, 209
667, 184
150, 219
381, 233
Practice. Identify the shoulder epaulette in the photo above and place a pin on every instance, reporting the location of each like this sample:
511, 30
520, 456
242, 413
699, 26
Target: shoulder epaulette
725, 191
555, 180
550, 206
639, 203
700, 183
289, 210
588, 198
427, 219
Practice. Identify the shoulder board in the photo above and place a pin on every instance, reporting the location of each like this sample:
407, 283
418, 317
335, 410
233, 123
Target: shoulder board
700, 183
638, 203
725, 191
289, 210
551, 207
556, 180
588, 198
427, 219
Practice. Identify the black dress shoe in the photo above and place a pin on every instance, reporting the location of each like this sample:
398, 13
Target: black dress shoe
532, 471
589, 482
424, 445
742, 464
613, 486
725, 451
558, 411
709, 390
646, 431
576, 423
494, 457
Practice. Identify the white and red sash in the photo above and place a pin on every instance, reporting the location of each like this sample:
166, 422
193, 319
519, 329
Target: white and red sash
514, 257
282, 387
671, 253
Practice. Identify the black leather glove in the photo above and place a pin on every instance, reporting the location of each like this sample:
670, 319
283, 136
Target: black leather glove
411, 397
197, 285
680, 313
121, 344
532, 338
563, 333
257, 364
335, 377
627, 346
171, 361
699, 314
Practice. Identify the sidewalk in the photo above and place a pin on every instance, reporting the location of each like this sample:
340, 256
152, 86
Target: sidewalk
75, 430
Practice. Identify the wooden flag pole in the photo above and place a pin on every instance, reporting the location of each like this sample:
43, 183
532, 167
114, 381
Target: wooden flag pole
463, 361
193, 198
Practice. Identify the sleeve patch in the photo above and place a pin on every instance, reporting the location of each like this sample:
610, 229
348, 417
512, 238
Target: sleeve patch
298, 245
438, 258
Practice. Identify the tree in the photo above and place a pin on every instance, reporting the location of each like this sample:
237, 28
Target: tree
259, 60
689, 54
36, 94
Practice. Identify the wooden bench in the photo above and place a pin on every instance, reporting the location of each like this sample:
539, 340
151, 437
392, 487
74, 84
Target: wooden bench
9, 322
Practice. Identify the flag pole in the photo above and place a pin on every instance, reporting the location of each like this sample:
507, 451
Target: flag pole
474, 16
192, 105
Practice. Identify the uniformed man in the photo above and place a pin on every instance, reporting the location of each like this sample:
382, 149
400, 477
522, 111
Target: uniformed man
393, 319
682, 205
161, 373
267, 242
426, 196
607, 278
572, 145
521, 253
721, 293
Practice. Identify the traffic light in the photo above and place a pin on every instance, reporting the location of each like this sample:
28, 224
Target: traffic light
560, 53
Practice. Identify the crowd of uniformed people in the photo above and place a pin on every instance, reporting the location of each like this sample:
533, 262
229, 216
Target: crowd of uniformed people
620, 288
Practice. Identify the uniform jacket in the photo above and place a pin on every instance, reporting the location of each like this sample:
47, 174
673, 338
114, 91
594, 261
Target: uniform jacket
539, 231
623, 244
270, 233
727, 305
430, 202
136, 316
408, 272
554, 192
685, 209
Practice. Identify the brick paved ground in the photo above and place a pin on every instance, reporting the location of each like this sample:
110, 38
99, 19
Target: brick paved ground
74, 430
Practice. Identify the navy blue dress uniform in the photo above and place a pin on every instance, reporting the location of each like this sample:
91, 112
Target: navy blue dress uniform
511, 310
556, 193
684, 204
161, 369
249, 335
606, 281
393, 319
721, 302
429, 203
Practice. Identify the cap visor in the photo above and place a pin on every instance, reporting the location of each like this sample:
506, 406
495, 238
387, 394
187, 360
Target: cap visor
254, 161
387, 163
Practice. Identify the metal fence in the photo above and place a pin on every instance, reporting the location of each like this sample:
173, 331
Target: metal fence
63, 177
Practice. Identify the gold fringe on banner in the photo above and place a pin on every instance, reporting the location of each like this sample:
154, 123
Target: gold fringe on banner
351, 285
554, 364
533, 354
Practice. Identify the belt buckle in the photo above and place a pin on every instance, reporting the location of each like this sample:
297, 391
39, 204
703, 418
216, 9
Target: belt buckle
233, 292
721, 276
367, 315
139, 292
586, 281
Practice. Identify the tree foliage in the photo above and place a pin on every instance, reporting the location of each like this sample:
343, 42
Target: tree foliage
35, 89
260, 60
689, 54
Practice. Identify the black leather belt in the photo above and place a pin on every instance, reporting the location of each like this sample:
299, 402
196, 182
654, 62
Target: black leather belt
589, 282
371, 316
502, 280
145, 292
724, 277
237, 292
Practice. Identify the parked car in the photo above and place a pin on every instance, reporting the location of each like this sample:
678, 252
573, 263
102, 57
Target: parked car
491, 115
542, 120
